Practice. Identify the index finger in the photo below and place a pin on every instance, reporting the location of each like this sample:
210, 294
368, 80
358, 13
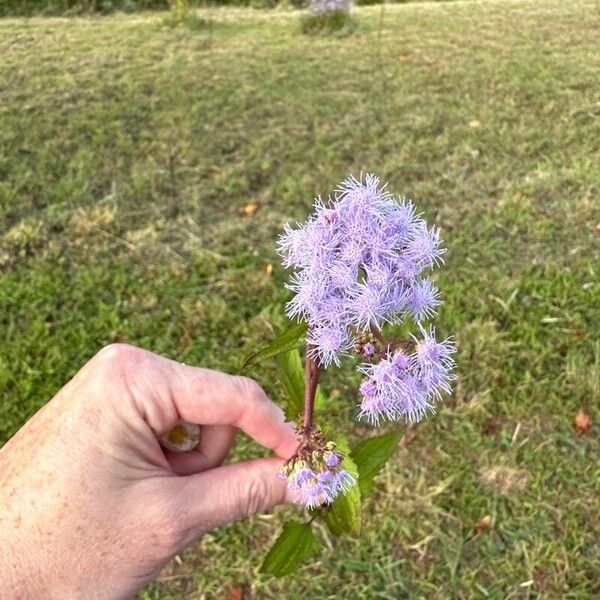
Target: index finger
214, 398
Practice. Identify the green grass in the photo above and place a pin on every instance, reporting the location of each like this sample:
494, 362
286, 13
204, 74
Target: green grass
127, 151
336, 22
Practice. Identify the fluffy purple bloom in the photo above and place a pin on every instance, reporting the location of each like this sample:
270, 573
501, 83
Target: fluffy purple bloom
328, 342
300, 477
368, 306
423, 299
360, 263
423, 247
369, 349
401, 360
357, 262
315, 494
322, 482
430, 353
342, 480
332, 459
368, 389
405, 386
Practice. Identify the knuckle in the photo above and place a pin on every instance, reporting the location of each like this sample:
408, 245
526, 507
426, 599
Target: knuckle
256, 496
116, 351
252, 389
116, 354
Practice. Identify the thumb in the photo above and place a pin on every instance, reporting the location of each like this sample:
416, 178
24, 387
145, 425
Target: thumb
231, 492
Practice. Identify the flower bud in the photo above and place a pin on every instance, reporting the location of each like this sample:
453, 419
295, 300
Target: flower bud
182, 438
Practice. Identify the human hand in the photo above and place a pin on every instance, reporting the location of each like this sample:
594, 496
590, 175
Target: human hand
92, 507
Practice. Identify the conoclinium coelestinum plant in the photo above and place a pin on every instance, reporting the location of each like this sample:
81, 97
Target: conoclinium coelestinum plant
360, 264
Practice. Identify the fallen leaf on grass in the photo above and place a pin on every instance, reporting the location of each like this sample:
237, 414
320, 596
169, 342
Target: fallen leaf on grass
268, 268
185, 340
492, 426
249, 209
583, 422
482, 524
237, 592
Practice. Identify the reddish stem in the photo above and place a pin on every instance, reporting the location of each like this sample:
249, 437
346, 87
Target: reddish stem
390, 345
377, 335
312, 372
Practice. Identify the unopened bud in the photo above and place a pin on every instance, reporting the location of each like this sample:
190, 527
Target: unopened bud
182, 438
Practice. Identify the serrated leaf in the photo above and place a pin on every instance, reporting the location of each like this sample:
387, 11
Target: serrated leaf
371, 455
292, 376
295, 543
343, 515
285, 341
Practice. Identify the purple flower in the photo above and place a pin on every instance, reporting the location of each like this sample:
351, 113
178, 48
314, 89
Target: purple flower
413, 402
431, 354
360, 261
342, 480
357, 261
313, 495
380, 390
406, 270
368, 388
368, 307
424, 248
423, 299
369, 349
327, 343
300, 477
401, 218
319, 478
332, 459
405, 386
323, 486
401, 360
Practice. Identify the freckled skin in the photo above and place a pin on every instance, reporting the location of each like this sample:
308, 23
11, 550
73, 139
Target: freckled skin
90, 504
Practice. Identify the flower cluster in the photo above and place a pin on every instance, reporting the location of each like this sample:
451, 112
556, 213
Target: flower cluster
359, 261
404, 385
315, 472
319, 7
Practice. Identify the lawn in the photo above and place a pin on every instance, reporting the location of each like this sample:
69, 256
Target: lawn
131, 157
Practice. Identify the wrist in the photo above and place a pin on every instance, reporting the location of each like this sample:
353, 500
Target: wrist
18, 576
16, 579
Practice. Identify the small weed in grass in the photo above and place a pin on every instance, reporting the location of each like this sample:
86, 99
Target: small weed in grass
180, 15
190, 21
335, 22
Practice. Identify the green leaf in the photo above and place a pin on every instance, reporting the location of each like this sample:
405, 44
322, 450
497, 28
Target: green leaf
371, 455
343, 515
285, 341
319, 398
292, 377
295, 543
